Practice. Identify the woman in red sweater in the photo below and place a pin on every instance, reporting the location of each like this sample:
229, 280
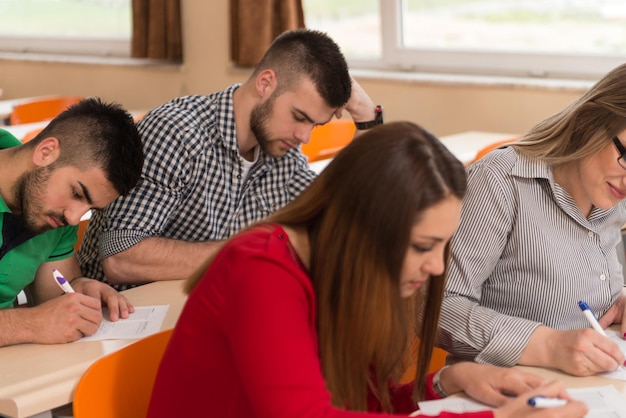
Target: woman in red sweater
311, 313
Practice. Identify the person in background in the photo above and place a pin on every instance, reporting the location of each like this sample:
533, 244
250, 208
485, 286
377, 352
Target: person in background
83, 159
216, 163
539, 230
311, 312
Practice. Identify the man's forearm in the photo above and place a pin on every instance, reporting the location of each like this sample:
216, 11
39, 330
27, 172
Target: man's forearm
14, 326
155, 259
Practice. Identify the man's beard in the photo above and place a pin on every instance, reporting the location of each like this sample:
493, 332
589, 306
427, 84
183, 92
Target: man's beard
28, 191
259, 118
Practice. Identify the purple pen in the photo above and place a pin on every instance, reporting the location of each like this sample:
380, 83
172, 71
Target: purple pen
60, 280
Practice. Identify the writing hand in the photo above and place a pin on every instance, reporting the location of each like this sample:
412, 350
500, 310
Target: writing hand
63, 319
119, 306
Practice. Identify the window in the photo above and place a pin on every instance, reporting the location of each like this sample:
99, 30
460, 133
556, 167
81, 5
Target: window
540, 38
85, 27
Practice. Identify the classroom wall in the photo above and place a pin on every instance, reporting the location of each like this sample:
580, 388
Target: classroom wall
444, 108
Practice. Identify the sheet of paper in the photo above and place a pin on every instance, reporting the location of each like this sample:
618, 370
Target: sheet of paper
146, 320
603, 402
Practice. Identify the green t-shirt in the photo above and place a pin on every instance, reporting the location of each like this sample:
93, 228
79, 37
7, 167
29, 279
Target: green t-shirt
19, 265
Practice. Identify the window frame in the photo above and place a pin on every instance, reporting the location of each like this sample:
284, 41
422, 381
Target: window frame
56, 45
479, 62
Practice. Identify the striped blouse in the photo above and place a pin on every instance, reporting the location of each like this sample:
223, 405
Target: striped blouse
524, 255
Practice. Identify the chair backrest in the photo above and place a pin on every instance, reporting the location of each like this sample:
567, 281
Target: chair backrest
31, 134
82, 227
119, 385
437, 361
487, 149
327, 140
40, 110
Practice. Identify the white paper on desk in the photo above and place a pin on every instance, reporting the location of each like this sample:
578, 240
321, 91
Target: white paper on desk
602, 401
620, 373
146, 320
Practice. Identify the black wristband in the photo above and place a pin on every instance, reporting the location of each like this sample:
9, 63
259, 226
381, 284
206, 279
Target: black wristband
378, 120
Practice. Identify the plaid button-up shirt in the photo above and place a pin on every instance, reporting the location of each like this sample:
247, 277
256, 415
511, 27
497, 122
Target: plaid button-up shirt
192, 186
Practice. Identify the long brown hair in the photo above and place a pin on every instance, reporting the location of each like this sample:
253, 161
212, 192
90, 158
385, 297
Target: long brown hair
584, 127
358, 214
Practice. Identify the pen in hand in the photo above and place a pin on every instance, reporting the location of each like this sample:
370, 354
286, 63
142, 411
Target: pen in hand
543, 402
61, 281
593, 321
591, 318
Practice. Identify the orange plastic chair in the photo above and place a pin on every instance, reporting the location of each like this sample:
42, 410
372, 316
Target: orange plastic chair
139, 116
487, 149
31, 134
41, 109
82, 227
119, 385
437, 361
327, 140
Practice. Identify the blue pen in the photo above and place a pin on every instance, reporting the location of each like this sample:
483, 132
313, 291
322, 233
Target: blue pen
593, 321
591, 318
543, 402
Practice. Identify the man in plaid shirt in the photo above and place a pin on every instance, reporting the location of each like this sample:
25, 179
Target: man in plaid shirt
214, 164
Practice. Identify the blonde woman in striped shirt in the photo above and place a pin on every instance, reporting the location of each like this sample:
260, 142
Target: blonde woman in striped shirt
539, 229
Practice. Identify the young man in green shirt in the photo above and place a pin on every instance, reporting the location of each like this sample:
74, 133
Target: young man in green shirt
84, 159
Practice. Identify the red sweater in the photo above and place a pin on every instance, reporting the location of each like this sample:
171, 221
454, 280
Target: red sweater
245, 345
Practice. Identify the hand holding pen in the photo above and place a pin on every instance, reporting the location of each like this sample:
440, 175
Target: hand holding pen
54, 320
593, 321
118, 306
549, 400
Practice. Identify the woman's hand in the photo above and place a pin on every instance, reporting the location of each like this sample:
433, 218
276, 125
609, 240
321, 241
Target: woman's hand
519, 407
579, 352
491, 385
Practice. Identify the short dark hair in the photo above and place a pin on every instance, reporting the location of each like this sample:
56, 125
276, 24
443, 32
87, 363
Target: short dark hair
95, 133
313, 54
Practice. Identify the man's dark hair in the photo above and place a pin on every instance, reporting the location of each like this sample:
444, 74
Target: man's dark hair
313, 54
95, 133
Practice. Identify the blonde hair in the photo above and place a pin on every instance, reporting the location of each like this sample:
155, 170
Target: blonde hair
584, 127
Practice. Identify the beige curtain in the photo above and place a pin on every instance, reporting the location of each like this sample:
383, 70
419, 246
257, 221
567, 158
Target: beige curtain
157, 30
255, 24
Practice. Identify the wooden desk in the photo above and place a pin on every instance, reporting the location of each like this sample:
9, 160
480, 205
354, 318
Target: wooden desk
35, 378
574, 381
463, 145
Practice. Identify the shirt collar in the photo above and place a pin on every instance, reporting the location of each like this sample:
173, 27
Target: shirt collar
225, 109
532, 168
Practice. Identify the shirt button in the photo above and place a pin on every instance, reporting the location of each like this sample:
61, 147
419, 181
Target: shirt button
590, 233
602, 277
239, 176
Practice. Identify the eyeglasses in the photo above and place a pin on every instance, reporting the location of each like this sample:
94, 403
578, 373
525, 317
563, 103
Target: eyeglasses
621, 160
